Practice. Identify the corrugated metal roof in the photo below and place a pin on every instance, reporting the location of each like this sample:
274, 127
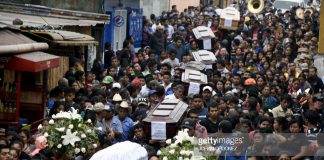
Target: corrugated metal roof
13, 42
66, 38
59, 35
36, 21
9, 38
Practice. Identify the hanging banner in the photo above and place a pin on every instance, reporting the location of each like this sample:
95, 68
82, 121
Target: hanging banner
135, 25
91, 56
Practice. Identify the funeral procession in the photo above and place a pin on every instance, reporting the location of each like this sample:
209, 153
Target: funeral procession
161, 80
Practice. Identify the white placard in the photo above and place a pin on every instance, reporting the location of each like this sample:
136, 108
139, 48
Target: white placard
158, 130
209, 66
228, 23
207, 43
194, 88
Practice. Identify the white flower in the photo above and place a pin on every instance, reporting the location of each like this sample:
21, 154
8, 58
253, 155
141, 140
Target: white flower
193, 140
89, 121
89, 130
172, 151
83, 150
186, 159
83, 135
59, 145
159, 152
168, 141
54, 116
182, 152
75, 115
51, 121
60, 129
187, 153
71, 126
180, 158
178, 141
79, 125
100, 128
173, 145
94, 145
76, 150
165, 158
70, 138
218, 151
40, 126
45, 134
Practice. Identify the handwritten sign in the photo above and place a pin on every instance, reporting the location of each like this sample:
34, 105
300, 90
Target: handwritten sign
207, 43
158, 130
194, 88
228, 23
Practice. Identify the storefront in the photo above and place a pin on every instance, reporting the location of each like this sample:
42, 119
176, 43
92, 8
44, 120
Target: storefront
23, 77
67, 45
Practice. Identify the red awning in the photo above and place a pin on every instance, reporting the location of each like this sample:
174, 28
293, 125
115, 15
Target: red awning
33, 62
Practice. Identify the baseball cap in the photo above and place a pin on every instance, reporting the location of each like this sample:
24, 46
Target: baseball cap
140, 112
142, 101
188, 123
116, 85
208, 88
181, 28
136, 83
152, 92
108, 80
249, 82
109, 107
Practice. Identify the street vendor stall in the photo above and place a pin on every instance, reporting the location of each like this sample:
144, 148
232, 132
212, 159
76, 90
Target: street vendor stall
23, 77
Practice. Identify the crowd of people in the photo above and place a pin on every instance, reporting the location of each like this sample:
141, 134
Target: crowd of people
263, 83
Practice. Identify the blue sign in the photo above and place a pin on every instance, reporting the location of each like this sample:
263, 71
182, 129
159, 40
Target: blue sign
135, 24
119, 21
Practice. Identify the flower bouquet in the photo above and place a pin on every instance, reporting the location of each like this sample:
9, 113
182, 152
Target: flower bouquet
184, 147
68, 135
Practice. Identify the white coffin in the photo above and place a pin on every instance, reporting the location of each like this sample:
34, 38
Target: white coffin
204, 57
203, 32
194, 76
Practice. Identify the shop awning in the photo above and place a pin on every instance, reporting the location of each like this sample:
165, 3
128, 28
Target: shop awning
65, 38
33, 62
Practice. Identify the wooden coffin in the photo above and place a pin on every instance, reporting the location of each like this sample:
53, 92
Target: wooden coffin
229, 19
204, 56
170, 111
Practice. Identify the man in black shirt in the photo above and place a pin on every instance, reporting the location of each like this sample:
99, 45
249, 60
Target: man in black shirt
212, 120
109, 53
314, 80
